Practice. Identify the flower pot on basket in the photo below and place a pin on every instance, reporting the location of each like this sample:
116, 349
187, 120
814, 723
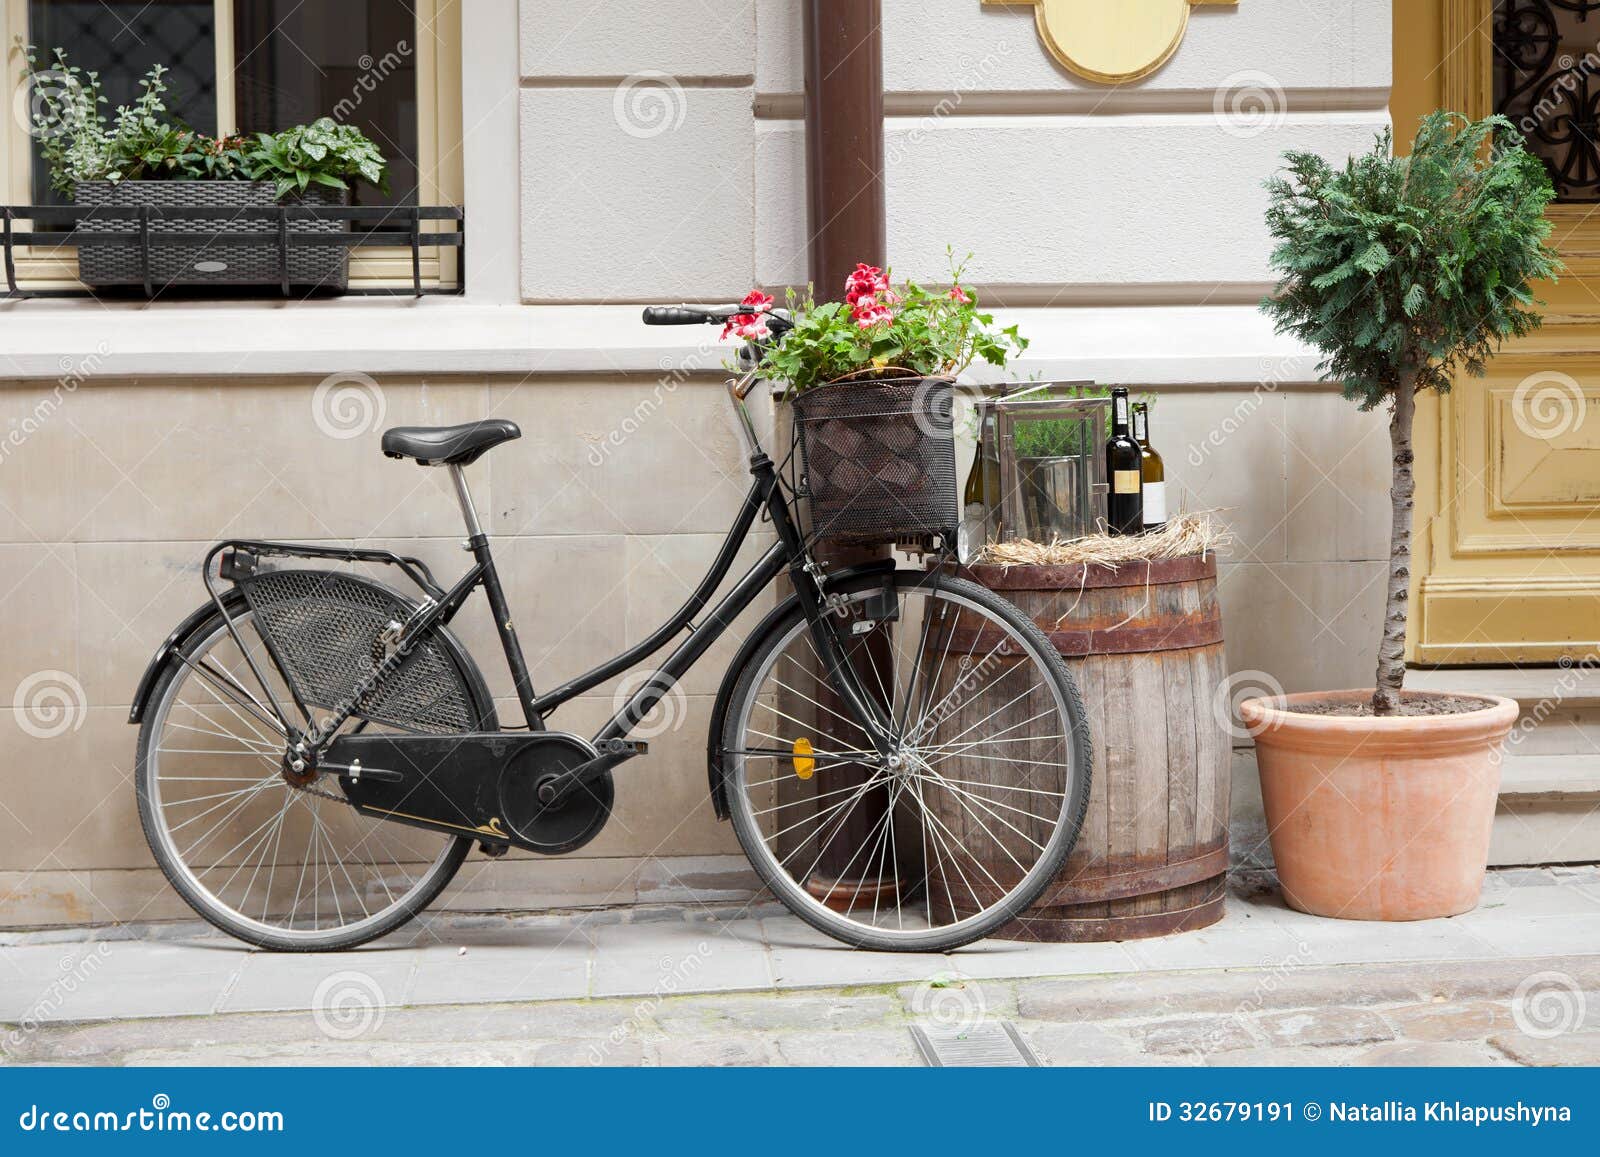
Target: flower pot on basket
206, 256
1379, 818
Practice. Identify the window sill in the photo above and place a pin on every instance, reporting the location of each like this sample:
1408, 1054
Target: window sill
52, 339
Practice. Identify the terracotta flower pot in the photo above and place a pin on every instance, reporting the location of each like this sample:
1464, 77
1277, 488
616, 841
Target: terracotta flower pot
1379, 819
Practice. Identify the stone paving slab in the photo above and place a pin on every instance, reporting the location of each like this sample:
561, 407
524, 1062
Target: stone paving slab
1393, 1015
643, 954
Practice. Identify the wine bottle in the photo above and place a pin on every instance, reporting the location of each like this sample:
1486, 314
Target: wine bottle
1125, 502
982, 498
1152, 471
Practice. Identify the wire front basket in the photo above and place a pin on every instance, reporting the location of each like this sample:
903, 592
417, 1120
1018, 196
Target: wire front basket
877, 459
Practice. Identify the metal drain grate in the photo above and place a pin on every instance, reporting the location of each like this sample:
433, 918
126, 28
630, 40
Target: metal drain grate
989, 1044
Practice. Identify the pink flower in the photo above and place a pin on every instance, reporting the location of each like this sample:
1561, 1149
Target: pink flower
868, 281
960, 296
750, 326
868, 314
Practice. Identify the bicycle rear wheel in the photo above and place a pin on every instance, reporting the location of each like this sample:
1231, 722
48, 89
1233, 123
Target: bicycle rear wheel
965, 823
283, 861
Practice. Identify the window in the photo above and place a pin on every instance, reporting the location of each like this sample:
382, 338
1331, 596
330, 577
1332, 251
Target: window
389, 67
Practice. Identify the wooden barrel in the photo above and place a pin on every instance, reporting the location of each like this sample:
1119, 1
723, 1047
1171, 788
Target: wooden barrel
1144, 642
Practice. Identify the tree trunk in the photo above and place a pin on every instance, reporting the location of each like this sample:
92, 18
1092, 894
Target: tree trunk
1392, 648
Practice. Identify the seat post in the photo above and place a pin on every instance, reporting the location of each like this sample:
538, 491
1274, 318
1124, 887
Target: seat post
464, 497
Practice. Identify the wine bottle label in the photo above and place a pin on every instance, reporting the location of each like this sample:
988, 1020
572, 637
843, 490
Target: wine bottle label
1121, 415
1125, 482
1155, 503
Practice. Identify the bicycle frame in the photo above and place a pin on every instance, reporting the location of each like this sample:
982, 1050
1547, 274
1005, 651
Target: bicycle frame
788, 555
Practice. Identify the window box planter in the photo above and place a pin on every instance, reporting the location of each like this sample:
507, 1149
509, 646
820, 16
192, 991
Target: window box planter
207, 257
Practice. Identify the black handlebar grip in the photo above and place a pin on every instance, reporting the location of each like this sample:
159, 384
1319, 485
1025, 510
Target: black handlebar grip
675, 315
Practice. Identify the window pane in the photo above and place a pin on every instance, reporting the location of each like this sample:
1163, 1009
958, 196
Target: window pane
354, 61
122, 40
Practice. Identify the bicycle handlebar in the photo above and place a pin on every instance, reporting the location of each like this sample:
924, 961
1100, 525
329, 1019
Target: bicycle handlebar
678, 315
777, 321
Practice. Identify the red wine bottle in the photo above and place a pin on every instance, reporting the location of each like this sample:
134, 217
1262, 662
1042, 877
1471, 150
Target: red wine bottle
1124, 472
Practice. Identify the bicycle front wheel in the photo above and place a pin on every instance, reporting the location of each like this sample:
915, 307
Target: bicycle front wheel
965, 822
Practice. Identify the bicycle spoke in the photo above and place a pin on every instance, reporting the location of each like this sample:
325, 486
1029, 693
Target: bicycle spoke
926, 838
299, 866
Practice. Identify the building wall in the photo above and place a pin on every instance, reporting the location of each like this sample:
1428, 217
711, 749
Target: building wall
653, 152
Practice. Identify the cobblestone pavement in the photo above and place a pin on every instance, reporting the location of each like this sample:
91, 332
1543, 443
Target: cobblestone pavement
1511, 1011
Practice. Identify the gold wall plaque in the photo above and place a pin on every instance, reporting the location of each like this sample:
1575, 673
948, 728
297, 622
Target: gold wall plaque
1112, 40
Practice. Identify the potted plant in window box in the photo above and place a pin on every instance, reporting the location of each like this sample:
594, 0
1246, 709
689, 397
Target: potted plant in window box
870, 382
1403, 271
143, 158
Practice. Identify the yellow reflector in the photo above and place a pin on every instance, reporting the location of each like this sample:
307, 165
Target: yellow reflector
804, 766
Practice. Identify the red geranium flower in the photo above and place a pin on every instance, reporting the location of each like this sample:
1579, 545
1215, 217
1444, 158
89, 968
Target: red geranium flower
750, 326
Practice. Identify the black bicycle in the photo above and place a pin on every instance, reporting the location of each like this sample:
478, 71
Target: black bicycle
902, 753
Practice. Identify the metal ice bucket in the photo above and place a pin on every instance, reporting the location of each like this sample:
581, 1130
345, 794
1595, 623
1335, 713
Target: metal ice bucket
1055, 499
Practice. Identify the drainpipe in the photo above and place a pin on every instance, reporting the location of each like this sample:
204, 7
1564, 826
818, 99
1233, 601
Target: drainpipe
847, 219
845, 203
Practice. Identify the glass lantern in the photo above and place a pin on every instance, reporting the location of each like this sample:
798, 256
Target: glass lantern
1040, 469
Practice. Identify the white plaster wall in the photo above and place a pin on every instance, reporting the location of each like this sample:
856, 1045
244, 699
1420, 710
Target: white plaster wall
663, 147
1302, 44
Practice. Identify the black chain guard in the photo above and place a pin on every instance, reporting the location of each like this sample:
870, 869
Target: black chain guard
565, 826
484, 786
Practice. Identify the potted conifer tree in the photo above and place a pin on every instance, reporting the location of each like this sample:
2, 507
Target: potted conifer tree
1403, 271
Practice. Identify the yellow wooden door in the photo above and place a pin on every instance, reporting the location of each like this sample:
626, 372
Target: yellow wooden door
1507, 560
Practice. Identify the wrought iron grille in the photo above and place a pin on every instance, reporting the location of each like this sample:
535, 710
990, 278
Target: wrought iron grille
1547, 81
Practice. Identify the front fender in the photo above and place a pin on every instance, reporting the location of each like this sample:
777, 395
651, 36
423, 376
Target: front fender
232, 600
719, 710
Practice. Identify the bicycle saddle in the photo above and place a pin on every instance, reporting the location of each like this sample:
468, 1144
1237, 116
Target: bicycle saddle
448, 445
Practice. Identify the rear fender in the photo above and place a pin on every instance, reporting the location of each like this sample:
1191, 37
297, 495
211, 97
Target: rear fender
232, 600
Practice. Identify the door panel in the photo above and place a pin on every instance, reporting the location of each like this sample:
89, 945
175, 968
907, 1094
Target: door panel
1507, 565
